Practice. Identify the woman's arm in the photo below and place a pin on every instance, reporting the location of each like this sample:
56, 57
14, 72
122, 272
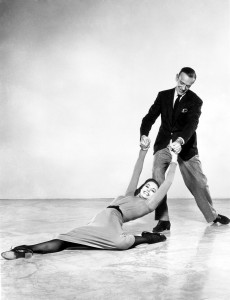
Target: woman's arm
155, 200
137, 169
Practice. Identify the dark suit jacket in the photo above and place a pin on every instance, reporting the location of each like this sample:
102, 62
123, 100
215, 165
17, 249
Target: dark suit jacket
184, 125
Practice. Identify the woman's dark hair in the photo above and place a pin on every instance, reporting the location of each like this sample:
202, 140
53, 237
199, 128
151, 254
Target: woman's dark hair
148, 180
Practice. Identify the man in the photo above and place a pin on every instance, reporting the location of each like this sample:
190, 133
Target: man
180, 110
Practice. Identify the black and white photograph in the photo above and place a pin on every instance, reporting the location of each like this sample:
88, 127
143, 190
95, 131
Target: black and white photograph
114, 140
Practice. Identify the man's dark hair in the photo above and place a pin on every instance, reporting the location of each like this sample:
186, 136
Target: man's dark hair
148, 180
189, 71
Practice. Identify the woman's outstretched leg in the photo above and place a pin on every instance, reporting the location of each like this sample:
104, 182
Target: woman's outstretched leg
49, 246
52, 246
55, 245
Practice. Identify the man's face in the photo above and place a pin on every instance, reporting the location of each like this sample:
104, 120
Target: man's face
184, 82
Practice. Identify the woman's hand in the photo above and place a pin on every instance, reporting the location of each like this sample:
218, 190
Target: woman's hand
145, 142
173, 153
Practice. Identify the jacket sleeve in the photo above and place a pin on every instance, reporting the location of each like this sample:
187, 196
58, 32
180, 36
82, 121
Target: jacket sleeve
151, 117
192, 122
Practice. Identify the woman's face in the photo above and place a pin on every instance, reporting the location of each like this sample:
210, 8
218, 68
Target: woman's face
148, 190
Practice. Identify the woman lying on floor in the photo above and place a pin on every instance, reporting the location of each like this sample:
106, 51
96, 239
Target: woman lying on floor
105, 230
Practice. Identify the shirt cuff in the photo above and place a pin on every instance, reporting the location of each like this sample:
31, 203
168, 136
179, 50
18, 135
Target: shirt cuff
180, 140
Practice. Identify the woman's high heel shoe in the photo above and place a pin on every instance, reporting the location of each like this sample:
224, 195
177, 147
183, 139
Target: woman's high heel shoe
153, 238
18, 252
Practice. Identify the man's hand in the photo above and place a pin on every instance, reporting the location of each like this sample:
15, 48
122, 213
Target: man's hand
173, 153
176, 146
145, 142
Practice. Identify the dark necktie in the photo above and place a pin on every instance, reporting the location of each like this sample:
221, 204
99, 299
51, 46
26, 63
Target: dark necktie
176, 105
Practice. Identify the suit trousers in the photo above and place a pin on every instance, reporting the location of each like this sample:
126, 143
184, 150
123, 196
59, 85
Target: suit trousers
194, 179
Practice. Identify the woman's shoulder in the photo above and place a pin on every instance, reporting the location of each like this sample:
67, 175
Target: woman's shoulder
117, 199
120, 198
127, 196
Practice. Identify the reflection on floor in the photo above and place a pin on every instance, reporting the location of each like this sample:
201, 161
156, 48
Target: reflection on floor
194, 262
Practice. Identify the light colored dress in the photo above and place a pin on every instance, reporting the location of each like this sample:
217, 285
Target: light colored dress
105, 230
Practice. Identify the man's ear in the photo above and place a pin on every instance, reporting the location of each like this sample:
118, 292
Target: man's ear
177, 77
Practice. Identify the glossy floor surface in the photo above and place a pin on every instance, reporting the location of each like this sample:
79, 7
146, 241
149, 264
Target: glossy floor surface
193, 263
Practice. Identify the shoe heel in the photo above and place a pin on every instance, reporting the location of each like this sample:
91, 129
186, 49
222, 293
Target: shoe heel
28, 255
168, 227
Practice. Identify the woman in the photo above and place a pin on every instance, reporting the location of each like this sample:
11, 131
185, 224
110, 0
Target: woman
105, 230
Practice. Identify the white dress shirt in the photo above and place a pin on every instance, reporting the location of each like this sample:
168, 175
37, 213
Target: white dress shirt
174, 99
175, 96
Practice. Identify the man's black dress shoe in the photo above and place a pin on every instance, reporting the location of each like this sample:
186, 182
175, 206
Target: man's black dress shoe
162, 226
222, 219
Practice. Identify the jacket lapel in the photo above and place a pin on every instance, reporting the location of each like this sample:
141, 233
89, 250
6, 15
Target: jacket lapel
181, 104
170, 104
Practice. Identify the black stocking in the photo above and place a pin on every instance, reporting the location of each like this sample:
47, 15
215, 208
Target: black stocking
51, 246
140, 240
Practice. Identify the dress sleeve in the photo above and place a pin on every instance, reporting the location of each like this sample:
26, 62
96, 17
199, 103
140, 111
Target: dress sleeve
155, 200
136, 173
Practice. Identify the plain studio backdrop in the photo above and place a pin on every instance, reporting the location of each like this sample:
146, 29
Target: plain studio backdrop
77, 77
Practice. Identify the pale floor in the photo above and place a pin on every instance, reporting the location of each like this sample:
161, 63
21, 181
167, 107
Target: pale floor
194, 262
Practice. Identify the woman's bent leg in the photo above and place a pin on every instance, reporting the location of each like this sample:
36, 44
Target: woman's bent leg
149, 238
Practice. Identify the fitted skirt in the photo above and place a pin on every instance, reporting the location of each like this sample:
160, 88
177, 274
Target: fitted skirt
104, 231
